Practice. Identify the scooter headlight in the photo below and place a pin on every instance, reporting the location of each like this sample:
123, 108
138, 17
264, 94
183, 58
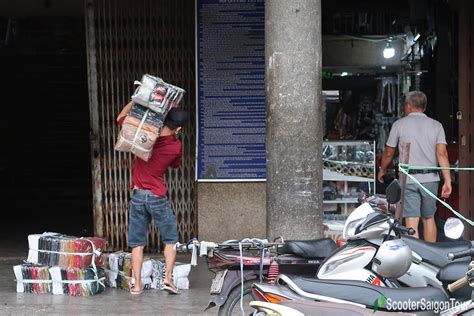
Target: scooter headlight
349, 232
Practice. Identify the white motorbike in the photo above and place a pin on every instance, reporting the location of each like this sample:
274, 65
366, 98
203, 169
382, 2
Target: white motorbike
394, 267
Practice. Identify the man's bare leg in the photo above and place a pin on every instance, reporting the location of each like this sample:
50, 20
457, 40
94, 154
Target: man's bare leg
429, 229
137, 262
170, 259
413, 223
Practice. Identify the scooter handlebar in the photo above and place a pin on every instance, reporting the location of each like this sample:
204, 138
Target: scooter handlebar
456, 285
411, 231
183, 247
404, 230
461, 254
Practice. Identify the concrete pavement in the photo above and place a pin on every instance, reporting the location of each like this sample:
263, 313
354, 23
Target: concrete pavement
112, 301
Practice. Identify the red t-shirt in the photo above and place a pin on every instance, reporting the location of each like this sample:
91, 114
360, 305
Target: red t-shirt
150, 175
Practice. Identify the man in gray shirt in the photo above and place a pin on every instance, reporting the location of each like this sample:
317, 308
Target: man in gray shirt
427, 148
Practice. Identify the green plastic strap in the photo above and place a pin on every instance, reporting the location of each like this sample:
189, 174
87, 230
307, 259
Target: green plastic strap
405, 171
408, 167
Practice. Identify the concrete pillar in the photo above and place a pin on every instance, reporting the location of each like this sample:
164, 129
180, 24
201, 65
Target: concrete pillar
294, 118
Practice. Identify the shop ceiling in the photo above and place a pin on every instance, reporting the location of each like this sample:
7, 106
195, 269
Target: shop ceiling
356, 33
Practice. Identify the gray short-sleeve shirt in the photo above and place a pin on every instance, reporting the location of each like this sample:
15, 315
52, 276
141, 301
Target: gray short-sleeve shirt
423, 134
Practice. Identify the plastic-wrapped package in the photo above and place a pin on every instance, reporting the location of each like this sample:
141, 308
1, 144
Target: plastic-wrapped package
137, 139
28, 272
152, 119
139, 132
54, 249
156, 94
121, 262
151, 102
180, 275
77, 282
118, 280
40, 279
119, 271
159, 270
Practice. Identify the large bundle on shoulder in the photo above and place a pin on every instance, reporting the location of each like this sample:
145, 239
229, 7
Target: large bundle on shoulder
152, 101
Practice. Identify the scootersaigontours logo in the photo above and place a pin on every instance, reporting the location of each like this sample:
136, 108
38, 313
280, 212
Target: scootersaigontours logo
380, 303
389, 304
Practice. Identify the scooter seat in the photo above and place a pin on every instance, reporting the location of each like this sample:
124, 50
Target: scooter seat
437, 253
309, 249
453, 272
367, 294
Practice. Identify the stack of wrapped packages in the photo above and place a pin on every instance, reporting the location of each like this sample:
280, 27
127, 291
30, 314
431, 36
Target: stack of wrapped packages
120, 275
61, 264
119, 271
180, 275
151, 102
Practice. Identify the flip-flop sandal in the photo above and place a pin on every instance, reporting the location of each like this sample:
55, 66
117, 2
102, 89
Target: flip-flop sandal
133, 292
171, 289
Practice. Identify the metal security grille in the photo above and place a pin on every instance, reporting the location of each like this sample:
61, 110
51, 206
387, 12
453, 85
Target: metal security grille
125, 39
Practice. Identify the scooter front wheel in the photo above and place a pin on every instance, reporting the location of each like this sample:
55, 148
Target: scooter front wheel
232, 304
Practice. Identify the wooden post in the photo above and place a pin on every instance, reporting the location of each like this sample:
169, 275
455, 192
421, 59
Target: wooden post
402, 178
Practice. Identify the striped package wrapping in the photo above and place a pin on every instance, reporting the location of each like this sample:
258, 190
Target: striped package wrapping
53, 249
157, 95
119, 271
40, 279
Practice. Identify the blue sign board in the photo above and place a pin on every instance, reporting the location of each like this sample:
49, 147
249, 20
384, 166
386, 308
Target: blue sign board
230, 53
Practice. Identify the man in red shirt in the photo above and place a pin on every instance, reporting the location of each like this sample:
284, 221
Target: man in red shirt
149, 197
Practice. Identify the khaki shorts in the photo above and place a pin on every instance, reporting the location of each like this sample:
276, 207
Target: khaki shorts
417, 202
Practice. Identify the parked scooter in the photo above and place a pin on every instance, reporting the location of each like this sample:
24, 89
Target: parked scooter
467, 308
372, 235
430, 258
261, 262
375, 256
303, 257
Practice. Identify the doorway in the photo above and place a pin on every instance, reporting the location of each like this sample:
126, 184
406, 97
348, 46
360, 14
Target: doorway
45, 165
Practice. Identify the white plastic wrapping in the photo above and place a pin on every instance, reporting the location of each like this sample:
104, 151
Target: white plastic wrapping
156, 94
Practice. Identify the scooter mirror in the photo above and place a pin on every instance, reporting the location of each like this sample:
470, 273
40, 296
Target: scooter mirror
393, 192
453, 228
